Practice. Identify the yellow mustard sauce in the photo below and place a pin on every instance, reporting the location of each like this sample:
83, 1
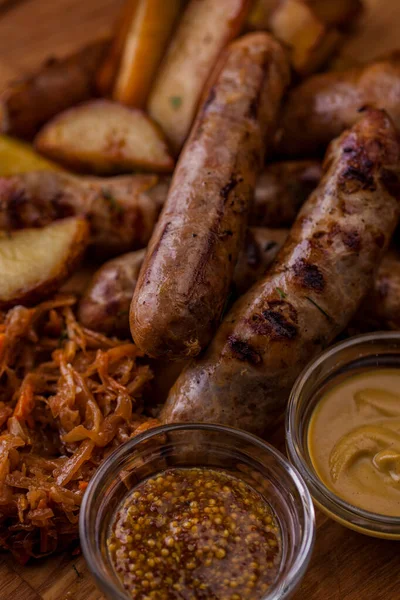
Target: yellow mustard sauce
354, 440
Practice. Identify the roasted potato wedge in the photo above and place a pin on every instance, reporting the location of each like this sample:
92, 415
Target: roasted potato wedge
148, 33
204, 30
26, 104
105, 137
310, 41
122, 211
334, 13
107, 71
33, 262
19, 157
308, 27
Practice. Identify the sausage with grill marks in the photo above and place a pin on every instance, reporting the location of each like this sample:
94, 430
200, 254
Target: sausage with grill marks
188, 269
309, 295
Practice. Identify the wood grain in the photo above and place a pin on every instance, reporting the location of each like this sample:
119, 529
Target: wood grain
345, 565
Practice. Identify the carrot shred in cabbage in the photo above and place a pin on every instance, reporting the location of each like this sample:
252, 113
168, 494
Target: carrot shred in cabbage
68, 397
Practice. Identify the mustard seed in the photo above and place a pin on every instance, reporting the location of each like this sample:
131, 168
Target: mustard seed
195, 529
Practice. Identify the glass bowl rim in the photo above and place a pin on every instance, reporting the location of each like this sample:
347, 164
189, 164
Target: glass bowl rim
301, 560
319, 491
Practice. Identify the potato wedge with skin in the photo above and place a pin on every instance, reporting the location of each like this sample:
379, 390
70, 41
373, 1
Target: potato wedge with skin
105, 137
26, 104
147, 37
107, 71
19, 157
205, 28
33, 262
310, 41
335, 13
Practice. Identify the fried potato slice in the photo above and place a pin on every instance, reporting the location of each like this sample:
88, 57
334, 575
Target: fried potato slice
34, 262
335, 13
310, 41
107, 70
204, 30
18, 157
148, 33
104, 137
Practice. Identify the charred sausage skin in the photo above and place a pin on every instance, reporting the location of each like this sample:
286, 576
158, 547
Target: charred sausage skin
311, 292
188, 269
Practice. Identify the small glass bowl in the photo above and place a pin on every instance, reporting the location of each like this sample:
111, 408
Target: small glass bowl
197, 445
381, 349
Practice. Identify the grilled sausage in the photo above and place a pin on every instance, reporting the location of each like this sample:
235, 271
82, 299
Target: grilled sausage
189, 265
324, 105
311, 292
381, 307
105, 304
122, 211
25, 105
281, 189
107, 297
261, 248
106, 293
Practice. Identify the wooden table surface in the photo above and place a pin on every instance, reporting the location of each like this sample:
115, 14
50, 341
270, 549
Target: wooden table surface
345, 565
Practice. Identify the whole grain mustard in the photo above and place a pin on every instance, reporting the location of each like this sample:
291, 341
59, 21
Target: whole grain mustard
195, 533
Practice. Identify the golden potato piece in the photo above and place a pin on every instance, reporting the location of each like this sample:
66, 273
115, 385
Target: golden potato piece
148, 34
204, 30
18, 157
310, 41
105, 137
335, 13
107, 71
34, 262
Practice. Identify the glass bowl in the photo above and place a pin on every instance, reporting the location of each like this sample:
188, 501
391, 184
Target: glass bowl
197, 445
381, 349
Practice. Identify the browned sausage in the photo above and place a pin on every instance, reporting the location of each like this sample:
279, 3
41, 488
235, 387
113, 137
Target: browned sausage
281, 189
108, 293
324, 105
311, 292
261, 248
105, 304
25, 105
381, 307
189, 265
122, 211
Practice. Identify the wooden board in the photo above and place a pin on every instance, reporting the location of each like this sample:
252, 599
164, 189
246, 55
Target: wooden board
345, 565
